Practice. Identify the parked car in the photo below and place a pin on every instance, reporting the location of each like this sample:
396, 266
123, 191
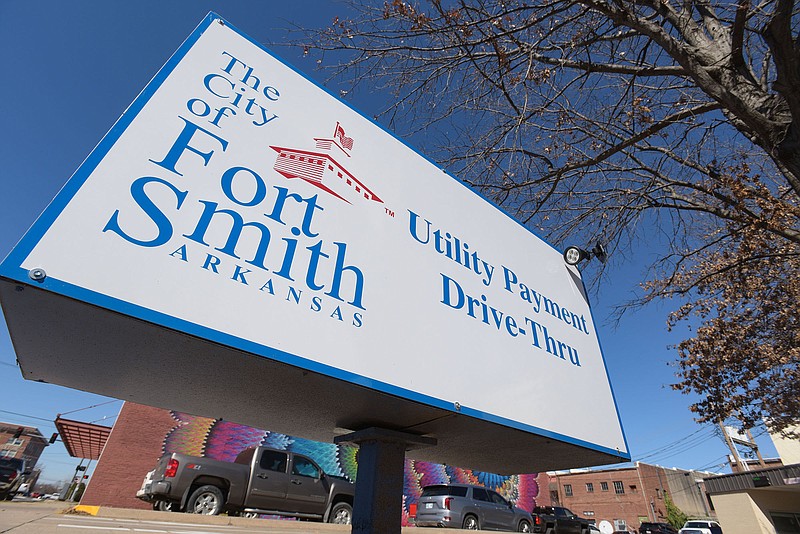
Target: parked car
469, 507
558, 520
701, 527
657, 528
259, 481
11, 472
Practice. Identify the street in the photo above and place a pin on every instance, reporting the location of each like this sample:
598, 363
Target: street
49, 517
52, 517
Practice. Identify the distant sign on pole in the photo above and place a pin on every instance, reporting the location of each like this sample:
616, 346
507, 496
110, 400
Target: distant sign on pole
239, 203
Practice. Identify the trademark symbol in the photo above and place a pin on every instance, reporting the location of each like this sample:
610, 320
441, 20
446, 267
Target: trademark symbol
389, 212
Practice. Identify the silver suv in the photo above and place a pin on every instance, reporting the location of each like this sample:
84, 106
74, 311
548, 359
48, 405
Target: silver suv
470, 508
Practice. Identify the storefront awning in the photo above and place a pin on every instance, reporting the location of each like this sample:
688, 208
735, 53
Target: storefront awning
82, 440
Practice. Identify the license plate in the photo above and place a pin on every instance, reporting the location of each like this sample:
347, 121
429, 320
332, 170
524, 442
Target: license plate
428, 505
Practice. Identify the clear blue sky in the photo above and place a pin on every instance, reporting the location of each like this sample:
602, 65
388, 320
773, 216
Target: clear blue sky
72, 67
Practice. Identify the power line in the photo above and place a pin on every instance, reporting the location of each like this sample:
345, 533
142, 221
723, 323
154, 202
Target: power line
682, 445
696, 442
653, 452
104, 418
93, 406
52, 424
28, 416
712, 464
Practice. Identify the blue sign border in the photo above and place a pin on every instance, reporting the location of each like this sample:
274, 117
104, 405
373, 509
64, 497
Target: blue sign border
11, 267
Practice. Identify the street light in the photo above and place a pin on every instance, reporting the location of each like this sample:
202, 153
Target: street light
574, 255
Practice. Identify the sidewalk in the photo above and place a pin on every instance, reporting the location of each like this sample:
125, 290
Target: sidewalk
267, 525
219, 520
54, 517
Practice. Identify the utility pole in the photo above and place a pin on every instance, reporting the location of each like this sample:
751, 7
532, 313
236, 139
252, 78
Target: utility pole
742, 466
761, 461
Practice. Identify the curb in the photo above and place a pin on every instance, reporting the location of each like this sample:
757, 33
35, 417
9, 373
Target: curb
91, 510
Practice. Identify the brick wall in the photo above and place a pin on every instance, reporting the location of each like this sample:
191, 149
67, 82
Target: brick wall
604, 505
638, 496
31, 443
138, 438
132, 449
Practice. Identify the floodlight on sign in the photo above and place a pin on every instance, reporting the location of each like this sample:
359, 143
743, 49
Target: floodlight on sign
575, 255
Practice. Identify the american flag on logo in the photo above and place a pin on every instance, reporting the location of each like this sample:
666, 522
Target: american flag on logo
346, 142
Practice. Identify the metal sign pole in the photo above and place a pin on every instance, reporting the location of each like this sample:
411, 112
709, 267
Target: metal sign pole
379, 484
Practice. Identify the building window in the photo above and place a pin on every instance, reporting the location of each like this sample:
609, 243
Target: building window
619, 524
604, 486
633, 488
568, 490
6, 454
15, 441
619, 489
786, 522
589, 487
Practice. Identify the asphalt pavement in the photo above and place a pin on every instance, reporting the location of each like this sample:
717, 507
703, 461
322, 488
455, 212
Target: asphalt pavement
56, 517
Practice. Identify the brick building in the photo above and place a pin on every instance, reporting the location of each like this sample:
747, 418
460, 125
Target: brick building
622, 498
142, 434
28, 446
626, 497
131, 450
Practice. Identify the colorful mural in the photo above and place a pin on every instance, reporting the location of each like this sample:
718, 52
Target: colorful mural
221, 440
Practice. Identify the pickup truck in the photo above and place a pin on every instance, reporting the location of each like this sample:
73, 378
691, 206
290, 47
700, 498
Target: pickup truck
259, 481
11, 472
558, 520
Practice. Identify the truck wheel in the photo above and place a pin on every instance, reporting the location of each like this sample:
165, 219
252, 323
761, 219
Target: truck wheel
341, 514
165, 506
206, 500
471, 523
524, 526
550, 530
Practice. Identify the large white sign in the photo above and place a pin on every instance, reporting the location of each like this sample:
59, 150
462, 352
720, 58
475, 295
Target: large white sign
237, 201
